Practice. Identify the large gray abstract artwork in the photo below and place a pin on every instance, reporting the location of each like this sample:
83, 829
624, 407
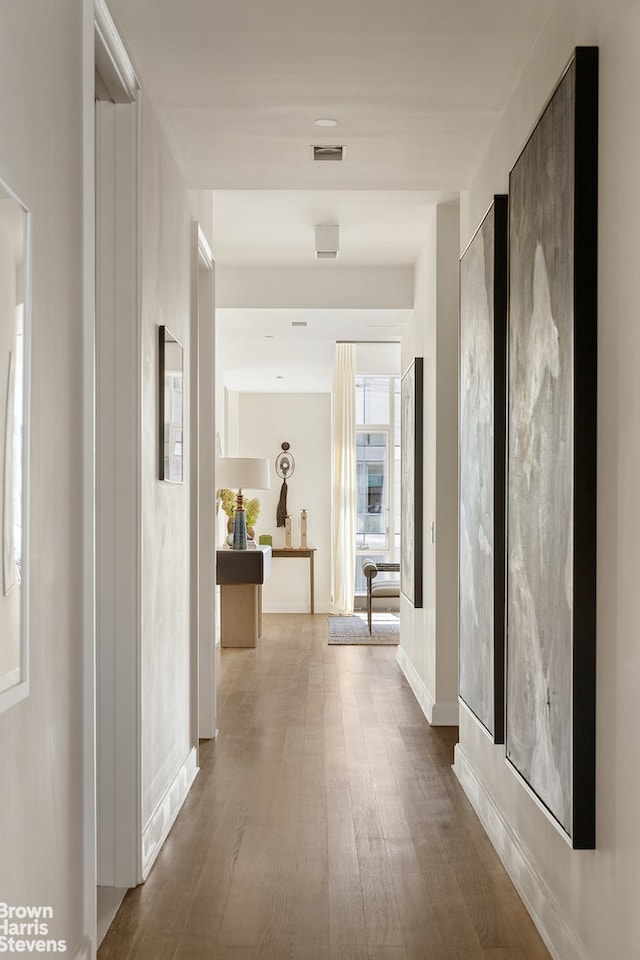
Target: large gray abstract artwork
550, 708
483, 318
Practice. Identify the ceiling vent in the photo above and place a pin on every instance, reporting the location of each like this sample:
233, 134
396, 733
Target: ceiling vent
327, 241
298, 323
325, 153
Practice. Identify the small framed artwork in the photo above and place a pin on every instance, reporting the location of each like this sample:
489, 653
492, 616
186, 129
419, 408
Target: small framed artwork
170, 407
411, 429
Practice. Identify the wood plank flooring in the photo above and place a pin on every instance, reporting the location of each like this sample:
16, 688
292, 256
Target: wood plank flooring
325, 824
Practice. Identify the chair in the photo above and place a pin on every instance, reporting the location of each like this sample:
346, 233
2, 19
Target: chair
384, 588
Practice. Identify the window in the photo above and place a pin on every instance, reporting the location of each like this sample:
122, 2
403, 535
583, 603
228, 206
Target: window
377, 472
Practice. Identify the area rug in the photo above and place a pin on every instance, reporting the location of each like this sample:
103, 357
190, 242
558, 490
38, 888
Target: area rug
354, 629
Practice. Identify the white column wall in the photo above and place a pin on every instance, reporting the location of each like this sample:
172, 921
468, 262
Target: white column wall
417, 651
428, 645
445, 531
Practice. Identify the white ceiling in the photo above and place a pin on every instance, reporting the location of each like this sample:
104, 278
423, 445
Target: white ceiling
417, 87
277, 226
261, 352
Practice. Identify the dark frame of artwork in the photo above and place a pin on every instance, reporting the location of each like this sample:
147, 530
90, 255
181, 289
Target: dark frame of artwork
481, 470
170, 407
16, 385
551, 500
411, 482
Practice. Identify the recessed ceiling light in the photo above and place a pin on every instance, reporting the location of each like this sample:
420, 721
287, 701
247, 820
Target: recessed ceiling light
325, 122
326, 152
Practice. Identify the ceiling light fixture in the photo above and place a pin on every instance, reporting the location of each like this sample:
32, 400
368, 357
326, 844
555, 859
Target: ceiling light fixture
327, 235
328, 152
325, 122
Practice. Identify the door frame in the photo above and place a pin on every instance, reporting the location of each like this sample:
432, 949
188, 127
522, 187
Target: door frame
203, 592
116, 493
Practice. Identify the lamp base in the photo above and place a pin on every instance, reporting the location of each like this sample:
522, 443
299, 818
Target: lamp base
239, 531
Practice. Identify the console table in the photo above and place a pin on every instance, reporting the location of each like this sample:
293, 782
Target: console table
241, 574
307, 552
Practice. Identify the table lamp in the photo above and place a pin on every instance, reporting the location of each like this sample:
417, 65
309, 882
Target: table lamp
242, 473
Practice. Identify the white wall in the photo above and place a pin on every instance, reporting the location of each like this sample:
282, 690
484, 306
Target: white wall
378, 358
446, 462
169, 739
149, 599
41, 738
586, 902
304, 421
322, 285
428, 636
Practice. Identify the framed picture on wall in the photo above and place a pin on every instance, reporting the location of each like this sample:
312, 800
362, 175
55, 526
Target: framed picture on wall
170, 407
481, 466
551, 498
411, 482
15, 390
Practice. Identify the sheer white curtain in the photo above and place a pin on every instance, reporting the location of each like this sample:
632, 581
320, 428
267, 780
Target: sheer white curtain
344, 479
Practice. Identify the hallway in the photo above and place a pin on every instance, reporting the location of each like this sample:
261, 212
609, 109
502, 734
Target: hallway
325, 824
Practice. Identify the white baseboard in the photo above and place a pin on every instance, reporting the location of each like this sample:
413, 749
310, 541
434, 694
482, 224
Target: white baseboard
294, 607
445, 715
291, 607
437, 714
10, 680
108, 902
546, 912
162, 819
84, 950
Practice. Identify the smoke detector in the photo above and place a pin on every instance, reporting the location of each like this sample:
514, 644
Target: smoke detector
327, 241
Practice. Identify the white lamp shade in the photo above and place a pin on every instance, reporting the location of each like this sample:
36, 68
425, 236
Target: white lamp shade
242, 473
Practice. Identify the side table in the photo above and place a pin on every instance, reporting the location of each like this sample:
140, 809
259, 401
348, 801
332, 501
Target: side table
301, 552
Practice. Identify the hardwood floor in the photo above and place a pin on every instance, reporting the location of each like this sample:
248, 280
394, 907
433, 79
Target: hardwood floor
325, 824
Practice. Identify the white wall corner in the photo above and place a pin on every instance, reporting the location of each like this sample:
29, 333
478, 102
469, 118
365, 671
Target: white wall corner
417, 684
546, 911
437, 714
156, 830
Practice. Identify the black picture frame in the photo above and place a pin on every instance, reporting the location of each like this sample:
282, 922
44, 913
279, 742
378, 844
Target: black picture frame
481, 470
551, 510
170, 407
411, 482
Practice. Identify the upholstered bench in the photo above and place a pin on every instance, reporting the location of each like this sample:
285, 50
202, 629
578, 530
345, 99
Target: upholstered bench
383, 588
